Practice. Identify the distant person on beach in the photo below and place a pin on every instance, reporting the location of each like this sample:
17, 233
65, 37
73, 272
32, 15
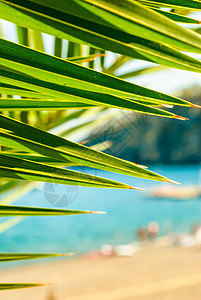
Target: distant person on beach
196, 231
142, 234
152, 230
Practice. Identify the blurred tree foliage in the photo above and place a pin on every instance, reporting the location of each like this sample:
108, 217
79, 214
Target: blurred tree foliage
149, 140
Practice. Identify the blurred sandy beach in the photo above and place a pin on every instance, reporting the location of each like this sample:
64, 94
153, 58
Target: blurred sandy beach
154, 273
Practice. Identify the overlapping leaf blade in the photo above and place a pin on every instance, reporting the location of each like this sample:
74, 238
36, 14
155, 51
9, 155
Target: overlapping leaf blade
15, 90
193, 4
20, 136
177, 17
10, 104
74, 80
38, 158
21, 169
128, 16
99, 36
134, 18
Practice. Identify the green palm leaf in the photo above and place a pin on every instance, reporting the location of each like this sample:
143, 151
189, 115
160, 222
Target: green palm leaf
132, 17
35, 158
23, 137
40, 104
193, 4
13, 211
15, 168
74, 80
11, 104
11, 286
99, 36
177, 17
128, 16
4, 257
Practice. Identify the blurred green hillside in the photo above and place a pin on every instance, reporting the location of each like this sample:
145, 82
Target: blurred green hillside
151, 140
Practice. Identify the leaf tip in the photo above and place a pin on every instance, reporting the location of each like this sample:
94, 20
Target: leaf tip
97, 212
84, 142
143, 167
172, 181
180, 118
99, 55
136, 188
67, 254
195, 105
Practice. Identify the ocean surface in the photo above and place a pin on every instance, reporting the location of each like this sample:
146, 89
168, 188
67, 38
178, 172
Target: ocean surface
127, 210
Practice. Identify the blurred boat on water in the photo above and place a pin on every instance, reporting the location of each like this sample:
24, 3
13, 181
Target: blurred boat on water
176, 192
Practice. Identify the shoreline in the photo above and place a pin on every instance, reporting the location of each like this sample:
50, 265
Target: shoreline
153, 273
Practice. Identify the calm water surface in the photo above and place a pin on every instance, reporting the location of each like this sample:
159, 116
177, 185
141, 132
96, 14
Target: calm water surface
126, 211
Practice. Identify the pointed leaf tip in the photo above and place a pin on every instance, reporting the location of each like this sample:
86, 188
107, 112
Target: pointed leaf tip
99, 55
141, 166
172, 181
195, 105
136, 188
68, 254
97, 212
180, 118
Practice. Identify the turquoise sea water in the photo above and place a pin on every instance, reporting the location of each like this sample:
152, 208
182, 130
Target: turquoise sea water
126, 211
